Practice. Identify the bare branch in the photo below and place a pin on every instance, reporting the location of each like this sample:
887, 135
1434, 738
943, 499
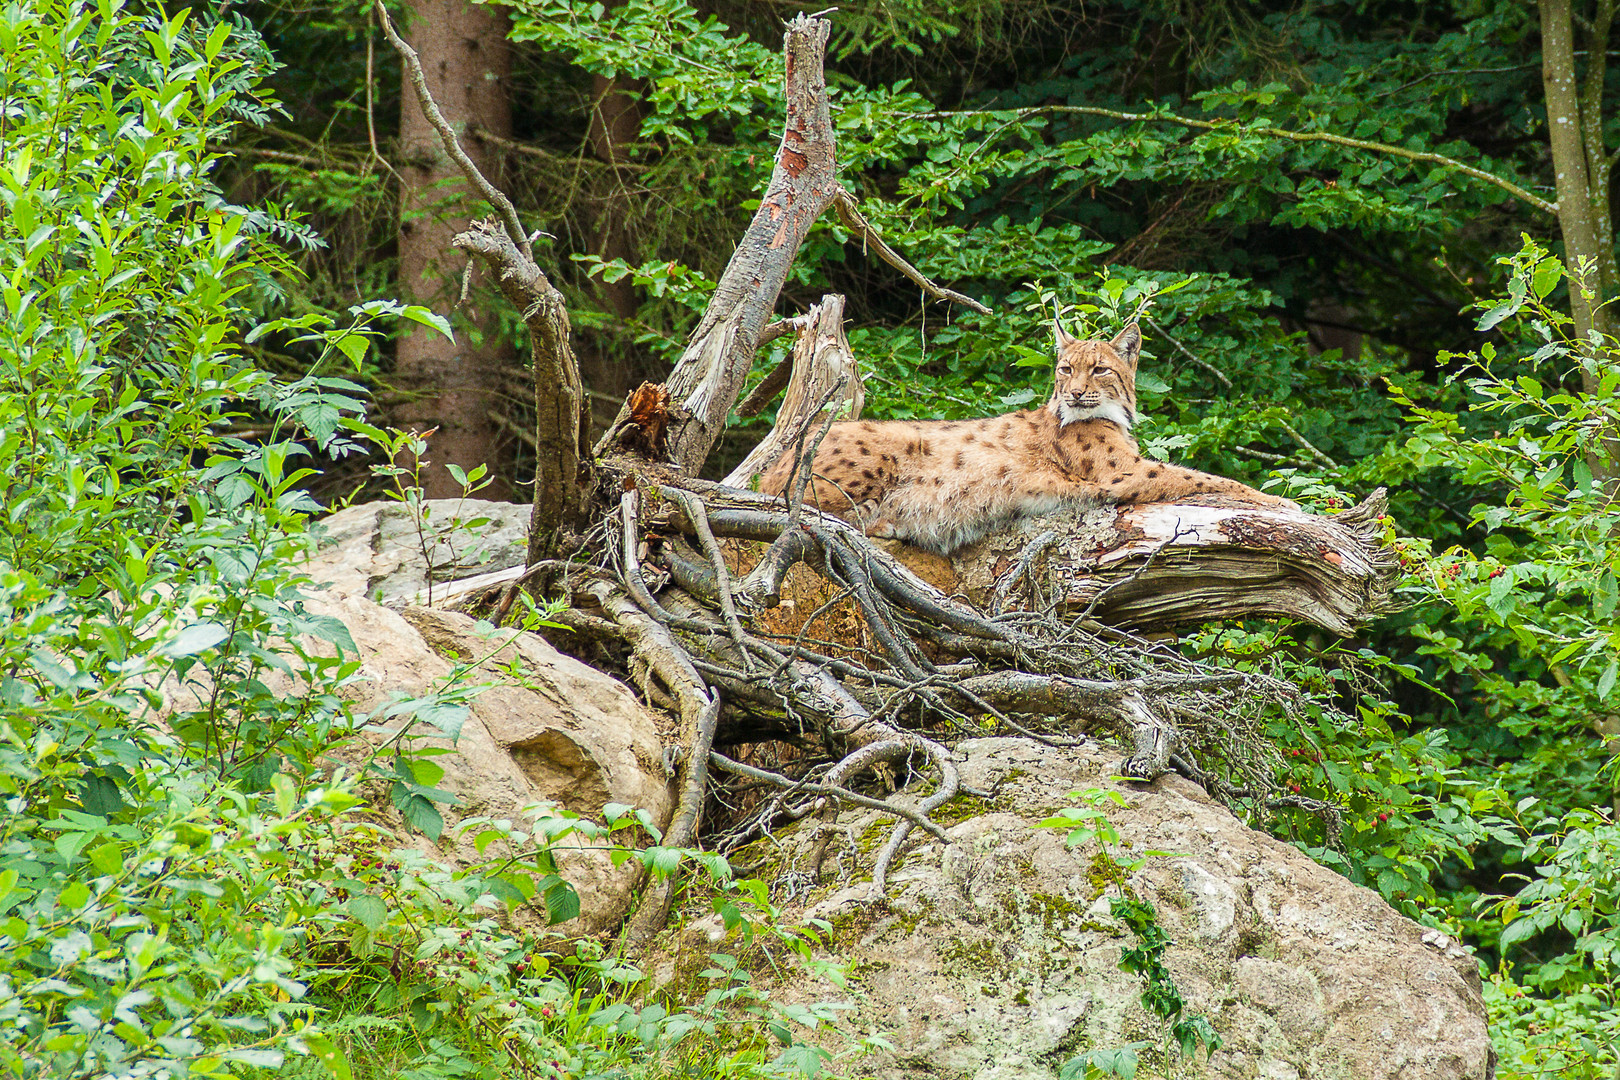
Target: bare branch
1273, 132
810, 787
849, 212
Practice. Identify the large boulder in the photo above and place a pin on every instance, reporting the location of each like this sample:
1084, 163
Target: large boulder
397, 555
995, 957
545, 728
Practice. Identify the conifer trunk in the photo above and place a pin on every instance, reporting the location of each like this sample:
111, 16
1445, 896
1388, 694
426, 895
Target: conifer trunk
451, 386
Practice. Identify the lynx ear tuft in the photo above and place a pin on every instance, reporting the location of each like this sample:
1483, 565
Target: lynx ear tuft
1128, 343
1063, 337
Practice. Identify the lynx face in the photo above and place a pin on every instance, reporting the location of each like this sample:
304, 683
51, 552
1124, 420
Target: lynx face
1096, 380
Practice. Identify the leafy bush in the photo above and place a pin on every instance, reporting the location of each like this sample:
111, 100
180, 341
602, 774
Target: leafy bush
186, 885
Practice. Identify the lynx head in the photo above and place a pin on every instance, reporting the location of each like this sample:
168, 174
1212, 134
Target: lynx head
1096, 380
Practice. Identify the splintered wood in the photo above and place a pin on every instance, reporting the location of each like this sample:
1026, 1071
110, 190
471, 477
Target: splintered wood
824, 376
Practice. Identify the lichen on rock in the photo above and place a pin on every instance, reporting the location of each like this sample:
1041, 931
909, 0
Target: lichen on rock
995, 957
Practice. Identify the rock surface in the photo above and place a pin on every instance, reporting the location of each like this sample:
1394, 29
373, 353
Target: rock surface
546, 728
377, 551
996, 958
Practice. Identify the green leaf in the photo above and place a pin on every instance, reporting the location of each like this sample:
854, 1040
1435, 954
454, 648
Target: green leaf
425, 316
1582, 475
1497, 314
286, 793
1546, 277
1605, 683
1500, 597
369, 910
1605, 594
323, 1050
194, 639
562, 902
99, 795
108, 858
418, 812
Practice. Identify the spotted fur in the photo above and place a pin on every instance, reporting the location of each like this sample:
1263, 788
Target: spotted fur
943, 484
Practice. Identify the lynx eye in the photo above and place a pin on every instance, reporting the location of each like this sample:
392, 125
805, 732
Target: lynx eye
1102, 371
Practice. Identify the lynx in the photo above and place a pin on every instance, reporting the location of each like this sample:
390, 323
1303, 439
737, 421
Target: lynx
943, 484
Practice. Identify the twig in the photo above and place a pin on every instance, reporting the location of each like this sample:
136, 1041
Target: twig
835, 791
371, 123
629, 503
1220, 376
776, 380
1321, 458
806, 456
1026, 559
849, 212
728, 609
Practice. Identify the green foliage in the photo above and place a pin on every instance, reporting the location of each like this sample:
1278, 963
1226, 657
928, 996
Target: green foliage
1543, 589
1568, 1024
1160, 995
154, 782
421, 976
1532, 623
188, 886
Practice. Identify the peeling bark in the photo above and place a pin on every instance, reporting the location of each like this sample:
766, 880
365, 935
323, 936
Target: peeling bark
710, 373
1159, 566
822, 362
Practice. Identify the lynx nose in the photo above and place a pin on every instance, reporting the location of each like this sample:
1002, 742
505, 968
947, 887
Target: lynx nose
1087, 398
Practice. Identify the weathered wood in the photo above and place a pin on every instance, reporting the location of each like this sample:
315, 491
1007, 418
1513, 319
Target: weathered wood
1158, 566
559, 394
821, 360
710, 373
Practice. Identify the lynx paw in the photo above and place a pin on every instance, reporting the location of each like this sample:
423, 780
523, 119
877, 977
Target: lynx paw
883, 529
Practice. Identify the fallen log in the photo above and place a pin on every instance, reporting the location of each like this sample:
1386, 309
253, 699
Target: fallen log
1159, 566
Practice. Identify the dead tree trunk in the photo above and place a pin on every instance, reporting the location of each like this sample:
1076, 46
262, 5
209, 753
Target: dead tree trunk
823, 374
710, 373
560, 488
1159, 566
